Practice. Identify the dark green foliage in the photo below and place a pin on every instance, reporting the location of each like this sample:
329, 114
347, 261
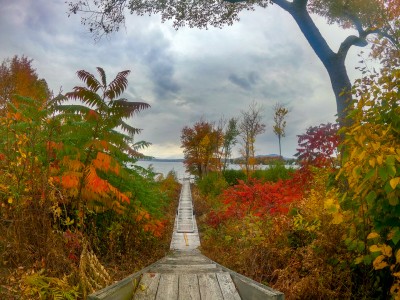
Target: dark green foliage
212, 184
232, 176
274, 173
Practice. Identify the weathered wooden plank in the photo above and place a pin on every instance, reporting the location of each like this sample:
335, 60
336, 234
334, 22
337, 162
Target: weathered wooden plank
187, 260
189, 287
227, 286
250, 289
195, 268
147, 288
209, 287
168, 287
124, 289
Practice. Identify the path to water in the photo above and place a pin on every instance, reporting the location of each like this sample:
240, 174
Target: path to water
185, 273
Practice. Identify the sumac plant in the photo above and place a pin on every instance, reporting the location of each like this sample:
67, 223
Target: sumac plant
257, 198
97, 142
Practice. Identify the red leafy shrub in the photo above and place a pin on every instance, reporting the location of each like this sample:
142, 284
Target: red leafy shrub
318, 146
258, 198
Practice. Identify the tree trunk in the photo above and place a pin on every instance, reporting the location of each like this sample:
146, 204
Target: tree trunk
334, 62
280, 149
341, 86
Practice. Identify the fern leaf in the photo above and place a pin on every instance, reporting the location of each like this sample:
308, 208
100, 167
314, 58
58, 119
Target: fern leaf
86, 96
102, 76
129, 129
127, 109
73, 109
90, 80
118, 85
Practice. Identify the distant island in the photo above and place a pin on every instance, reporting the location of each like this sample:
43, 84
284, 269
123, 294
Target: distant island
263, 159
161, 159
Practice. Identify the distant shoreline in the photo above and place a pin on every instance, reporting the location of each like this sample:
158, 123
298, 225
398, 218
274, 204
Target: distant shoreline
162, 159
233, 161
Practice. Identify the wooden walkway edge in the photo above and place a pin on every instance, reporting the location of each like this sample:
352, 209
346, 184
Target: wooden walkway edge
185, 273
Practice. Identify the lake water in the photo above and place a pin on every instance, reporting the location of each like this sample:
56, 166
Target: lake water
164, 167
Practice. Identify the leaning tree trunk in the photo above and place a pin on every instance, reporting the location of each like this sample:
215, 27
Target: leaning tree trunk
341, 86
334, 62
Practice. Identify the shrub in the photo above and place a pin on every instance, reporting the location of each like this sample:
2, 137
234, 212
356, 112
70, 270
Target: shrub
212, 184
274, 172
232, 177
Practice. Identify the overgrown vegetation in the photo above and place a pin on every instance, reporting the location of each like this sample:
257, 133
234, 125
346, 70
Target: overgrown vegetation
75, 212
330, 229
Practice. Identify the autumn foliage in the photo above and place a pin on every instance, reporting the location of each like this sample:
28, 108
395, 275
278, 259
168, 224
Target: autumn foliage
201, 144
318, 146
69, 188
332, 230
256, 198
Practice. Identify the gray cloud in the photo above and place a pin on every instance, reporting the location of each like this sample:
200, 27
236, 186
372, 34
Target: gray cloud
245, 82
185, 74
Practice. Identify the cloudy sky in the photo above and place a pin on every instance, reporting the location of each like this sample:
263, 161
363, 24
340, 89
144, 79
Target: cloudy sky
188, 74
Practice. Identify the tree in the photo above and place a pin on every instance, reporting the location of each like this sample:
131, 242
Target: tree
318, 145
280, 112
96, 139
371, 172
18, 77
201, 144
366, 16
230, 140
250, 126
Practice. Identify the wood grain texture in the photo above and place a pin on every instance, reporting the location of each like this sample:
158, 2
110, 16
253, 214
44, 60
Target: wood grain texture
168, 287
189, 287
148, 286
209, 287
227, 286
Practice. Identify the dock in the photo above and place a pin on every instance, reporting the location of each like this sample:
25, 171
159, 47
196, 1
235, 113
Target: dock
185, 273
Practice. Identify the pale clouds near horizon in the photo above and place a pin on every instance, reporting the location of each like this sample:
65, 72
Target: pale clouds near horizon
187, 74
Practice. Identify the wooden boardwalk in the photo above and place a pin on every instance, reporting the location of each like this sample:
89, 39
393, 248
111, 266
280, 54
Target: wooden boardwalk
185, 273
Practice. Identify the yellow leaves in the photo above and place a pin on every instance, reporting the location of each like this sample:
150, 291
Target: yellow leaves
333, 207
384, 249
379, 262
362, 155
10, 200
376, 146
398, 256
379, 159
394, 182
3, 187
372, 162
337, 218
373, 235
386, 252
68, 221
359, 260
330, 205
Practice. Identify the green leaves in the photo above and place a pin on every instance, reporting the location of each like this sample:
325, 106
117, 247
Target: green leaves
97, 139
